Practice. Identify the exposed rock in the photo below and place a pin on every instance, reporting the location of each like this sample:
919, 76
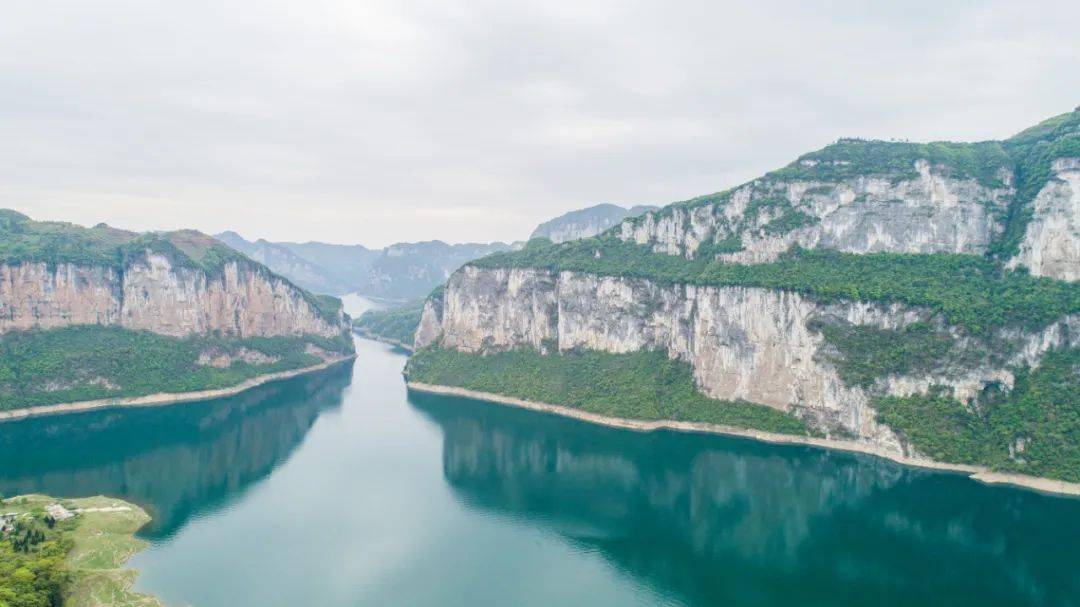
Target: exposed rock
931, 213
742, 343
223, 360
1051, 245
153, 294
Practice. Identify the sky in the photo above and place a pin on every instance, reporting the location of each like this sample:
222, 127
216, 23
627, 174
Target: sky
380, 121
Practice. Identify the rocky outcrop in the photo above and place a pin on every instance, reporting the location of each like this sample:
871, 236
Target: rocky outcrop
927, 212
155, 294
743, 343
1051, 244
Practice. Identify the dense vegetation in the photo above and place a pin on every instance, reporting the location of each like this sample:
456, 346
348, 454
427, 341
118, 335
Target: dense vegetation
74, 562
1032, 429
969, 291
32, 553
641, 385
863, 353
22, 239
89, 362
849, 158
393, 324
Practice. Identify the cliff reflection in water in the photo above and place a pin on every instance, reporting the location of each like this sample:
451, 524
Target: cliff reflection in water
175, 460
715, 520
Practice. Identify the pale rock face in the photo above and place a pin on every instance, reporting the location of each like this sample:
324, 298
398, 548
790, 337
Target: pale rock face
742, 343
155, 296
36, 295
1051, 245
224, 360
928, 214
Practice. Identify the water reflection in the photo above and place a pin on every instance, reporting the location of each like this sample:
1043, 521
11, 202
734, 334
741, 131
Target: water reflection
725, 521
176, 461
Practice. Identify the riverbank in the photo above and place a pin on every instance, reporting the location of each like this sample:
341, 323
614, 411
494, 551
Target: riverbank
80, 552
365, 334
166, 398
978, 473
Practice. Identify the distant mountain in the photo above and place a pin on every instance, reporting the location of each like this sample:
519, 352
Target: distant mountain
588, 222
344, 262
281, 258
405, 270
412, 270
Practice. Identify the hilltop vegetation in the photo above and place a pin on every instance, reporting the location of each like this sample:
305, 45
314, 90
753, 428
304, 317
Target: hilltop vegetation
53, 242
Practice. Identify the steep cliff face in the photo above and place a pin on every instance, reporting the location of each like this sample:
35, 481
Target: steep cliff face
1051, 245
37, 295
930, 211
751, 344
155, 295
864, 271
93, 313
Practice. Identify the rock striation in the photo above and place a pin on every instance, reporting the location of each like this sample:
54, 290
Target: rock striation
153, 294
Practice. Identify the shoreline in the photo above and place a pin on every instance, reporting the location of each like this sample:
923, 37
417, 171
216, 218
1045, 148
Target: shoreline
165, 398
102, 540
363, 334
977, 473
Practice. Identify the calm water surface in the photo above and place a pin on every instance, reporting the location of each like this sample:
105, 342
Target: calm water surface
341, 489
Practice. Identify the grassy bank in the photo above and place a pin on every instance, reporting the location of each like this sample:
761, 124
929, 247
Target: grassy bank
76, 562
642, 385
89, 362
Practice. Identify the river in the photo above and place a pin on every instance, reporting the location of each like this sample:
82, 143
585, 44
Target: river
341, 489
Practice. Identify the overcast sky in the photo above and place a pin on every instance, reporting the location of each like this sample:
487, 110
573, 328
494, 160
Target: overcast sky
374, 122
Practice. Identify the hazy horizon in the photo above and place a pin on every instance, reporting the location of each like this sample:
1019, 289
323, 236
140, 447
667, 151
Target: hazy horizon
380, 122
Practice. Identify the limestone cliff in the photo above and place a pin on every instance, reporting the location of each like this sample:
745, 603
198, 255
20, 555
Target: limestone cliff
152, 294
1051, 245
153, 287
927, 212
721, 282
752, 344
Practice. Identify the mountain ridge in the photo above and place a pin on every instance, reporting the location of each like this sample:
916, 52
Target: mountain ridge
914, 297
92, 313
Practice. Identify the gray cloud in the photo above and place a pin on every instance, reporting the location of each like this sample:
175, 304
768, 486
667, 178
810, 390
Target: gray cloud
380, 121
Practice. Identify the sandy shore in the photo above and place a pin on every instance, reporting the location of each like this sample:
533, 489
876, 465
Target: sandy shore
979, 473
165, 398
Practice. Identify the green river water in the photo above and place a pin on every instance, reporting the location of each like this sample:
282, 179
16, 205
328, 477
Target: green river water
342, 489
